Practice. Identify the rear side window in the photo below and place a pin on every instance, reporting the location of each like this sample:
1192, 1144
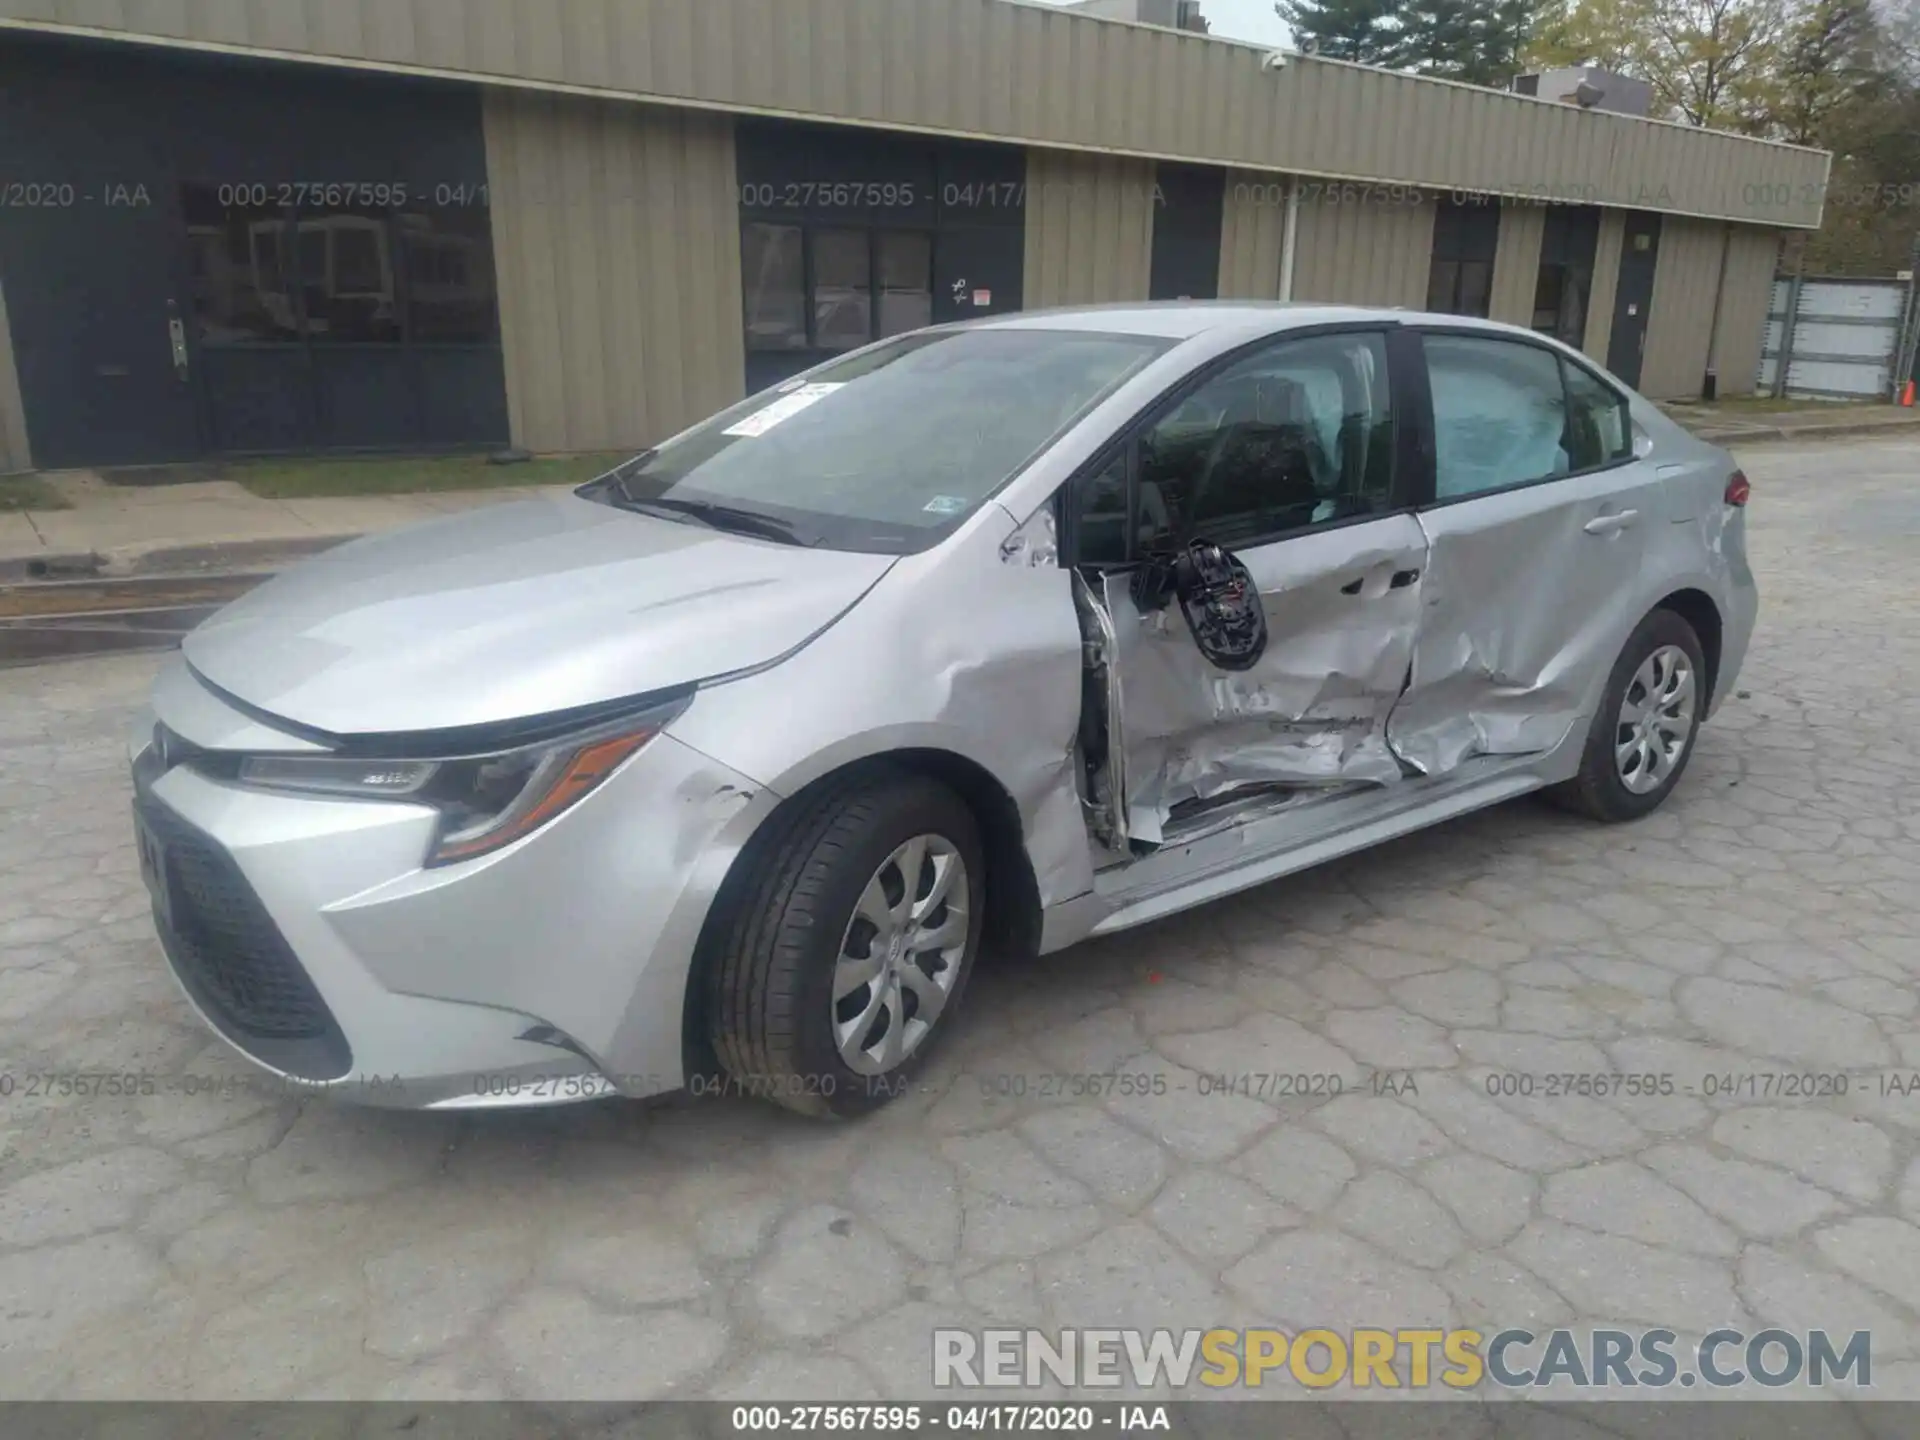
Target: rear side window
1499, 415
1599, 430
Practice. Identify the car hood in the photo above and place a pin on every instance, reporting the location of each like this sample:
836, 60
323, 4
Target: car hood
518, 610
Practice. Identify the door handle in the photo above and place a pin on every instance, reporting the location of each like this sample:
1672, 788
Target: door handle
177, 339
1400, 581
1608, 524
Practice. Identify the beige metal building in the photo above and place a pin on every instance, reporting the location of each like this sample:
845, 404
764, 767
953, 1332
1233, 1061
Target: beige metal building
580, 224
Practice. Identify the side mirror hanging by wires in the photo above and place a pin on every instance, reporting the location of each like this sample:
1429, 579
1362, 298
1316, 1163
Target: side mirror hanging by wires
1217, 595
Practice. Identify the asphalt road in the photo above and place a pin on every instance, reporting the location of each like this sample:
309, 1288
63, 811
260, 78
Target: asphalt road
1764, 924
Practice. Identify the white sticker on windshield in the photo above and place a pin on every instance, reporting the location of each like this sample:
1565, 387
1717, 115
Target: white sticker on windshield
945, 505
783, 409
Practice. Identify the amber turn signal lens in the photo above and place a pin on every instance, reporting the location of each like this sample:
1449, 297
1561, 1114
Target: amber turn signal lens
572, 782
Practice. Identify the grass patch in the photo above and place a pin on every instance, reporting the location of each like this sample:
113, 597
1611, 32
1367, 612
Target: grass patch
408, 475
29, 492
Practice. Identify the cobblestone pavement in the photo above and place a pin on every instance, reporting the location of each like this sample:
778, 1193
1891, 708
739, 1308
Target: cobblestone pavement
1763, 923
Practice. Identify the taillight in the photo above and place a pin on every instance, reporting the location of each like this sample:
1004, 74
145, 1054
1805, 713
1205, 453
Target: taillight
1738, 490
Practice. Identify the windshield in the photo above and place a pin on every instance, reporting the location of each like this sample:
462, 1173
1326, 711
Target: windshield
885, 451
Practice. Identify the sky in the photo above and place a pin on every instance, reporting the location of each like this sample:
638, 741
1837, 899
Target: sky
1252, 20
1246, 20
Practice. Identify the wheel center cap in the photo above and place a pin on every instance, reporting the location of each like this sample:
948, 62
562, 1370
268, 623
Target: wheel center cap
896, 947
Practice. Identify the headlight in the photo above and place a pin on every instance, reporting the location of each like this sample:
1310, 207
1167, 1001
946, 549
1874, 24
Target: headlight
485, 801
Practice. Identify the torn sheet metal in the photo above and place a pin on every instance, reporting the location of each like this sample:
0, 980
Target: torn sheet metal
1342, 607
1526, 613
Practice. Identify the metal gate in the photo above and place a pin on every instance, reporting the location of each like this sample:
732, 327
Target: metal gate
1835, 338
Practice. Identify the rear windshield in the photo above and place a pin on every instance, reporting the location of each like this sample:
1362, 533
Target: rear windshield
887, 450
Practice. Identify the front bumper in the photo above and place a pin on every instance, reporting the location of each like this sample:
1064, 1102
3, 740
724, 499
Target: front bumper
307, 934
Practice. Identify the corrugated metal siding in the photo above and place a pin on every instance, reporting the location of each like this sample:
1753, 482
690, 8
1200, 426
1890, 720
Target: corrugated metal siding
1680, 315
1089, 228
617, 238
1372, 252
1744, 302
1606, 284
1252, 235
1516, 263
14, 452
1021, 73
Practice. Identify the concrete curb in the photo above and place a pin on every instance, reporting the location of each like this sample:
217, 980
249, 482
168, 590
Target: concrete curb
1749, 434
124, 561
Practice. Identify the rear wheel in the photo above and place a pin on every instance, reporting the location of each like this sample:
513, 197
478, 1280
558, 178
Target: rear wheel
851, 947
1644, 732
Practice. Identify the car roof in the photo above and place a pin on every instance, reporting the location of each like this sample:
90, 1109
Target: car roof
1187, 319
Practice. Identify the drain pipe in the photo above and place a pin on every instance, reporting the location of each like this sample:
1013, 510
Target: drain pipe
1710, 383
1290, 239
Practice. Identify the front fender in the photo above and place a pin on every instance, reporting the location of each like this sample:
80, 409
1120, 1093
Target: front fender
954, 651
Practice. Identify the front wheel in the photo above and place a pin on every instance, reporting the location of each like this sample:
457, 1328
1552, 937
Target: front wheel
851, 947
1644, 732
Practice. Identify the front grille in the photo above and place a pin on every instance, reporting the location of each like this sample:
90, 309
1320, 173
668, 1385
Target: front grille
234, 961
236, 951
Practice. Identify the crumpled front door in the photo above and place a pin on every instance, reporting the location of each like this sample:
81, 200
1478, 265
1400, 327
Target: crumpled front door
1342, 608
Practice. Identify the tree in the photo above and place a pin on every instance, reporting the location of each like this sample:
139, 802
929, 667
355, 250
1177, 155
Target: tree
1366, 31
1461, 40
1607, 33
1827, 64
1706, 59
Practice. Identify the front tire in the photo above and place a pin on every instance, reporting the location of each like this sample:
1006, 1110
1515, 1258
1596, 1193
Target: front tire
1644, 732
851, 946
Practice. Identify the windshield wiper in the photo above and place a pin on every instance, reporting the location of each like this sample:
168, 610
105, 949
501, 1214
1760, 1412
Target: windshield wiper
723, 517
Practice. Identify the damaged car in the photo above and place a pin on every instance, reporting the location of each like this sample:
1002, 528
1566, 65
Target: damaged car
725, 767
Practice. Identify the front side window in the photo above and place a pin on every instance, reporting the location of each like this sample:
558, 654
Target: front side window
885, 451
1499, 414
1296, 435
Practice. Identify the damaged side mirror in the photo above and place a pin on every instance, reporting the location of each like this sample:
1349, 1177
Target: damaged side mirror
1217, 595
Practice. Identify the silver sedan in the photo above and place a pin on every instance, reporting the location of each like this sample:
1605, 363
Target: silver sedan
726, 766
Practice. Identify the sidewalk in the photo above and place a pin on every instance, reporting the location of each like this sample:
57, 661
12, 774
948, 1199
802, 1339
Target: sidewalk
205, 525
1737, 422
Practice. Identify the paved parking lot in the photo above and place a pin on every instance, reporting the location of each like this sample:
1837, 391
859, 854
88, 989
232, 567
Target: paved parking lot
1764, 923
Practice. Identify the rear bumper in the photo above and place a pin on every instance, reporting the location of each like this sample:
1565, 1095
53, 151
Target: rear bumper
1737, 625
307, 934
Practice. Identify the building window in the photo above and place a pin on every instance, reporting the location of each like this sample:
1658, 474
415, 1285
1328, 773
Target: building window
906, 281
448, 259
264, 273
1565, 283
774, 261
814, 287
1465, 236
241, 265
347, 279
842, 289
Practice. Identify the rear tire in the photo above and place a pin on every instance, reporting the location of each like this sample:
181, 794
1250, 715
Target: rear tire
1636, 750
828, 902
